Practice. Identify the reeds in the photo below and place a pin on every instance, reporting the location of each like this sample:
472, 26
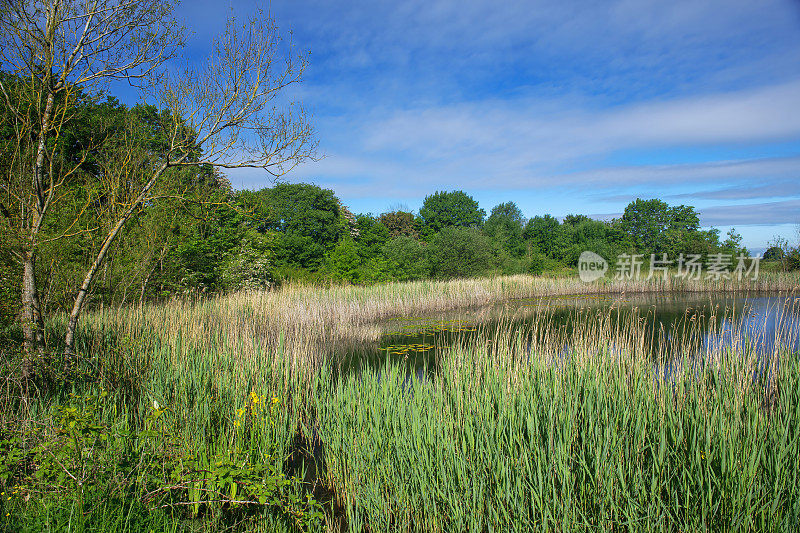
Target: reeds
518, 433
317, 324
544, 428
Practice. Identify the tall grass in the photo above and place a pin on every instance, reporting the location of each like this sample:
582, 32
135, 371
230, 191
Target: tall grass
315, 324
520, 434
544, 428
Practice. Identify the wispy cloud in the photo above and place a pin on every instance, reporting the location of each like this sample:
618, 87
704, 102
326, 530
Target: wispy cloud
760, 214
557, 104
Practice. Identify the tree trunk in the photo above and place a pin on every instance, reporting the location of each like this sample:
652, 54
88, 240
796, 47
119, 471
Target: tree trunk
77, 308
32, 323
32, 320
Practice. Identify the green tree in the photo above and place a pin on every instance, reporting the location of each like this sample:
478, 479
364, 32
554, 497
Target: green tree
645, 221
543, 233
773, 253
460, 252
446, 209
343, 262
308, 220
504, 226
733, 244
250, 264
371, 236
406, 259
401, 223
574, 220
224, 114
656, 228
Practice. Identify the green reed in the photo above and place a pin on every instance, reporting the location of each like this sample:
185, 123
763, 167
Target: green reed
569, 444
511, 433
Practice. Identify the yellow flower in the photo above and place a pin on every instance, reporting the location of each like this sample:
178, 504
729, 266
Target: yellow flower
275, 399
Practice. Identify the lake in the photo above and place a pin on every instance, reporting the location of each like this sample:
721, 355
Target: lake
655, 325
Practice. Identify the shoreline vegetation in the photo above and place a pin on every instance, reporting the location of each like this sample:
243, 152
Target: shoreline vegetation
311, 323
164, 368
227, 412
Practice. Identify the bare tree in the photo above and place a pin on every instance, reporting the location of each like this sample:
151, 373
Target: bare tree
227, 114
53, 48
231, 112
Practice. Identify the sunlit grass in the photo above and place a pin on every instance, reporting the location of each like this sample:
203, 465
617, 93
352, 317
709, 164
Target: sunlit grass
545, 428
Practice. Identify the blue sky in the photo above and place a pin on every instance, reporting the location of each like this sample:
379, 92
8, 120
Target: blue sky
562, 107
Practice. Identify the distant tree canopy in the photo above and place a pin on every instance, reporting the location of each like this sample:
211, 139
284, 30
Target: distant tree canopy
656, 228
444, 209
504, 226
460, 252
308, 219
400, 223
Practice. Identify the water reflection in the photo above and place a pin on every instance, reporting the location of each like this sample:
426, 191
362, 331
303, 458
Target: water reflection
655, 326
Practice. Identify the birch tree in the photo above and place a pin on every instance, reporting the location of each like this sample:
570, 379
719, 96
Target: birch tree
230, 111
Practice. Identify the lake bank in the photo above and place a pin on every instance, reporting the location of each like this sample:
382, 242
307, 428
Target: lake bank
515, 430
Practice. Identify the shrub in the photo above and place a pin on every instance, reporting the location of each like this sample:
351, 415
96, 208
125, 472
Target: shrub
460, 252
405, 259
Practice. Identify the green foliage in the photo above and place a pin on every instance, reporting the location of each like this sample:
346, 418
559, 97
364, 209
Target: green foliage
250, 265
733, 244
10, 278
84, 466
308, 219
343, 263
574, 220
656, 228
446, 209
537, 264
406, 259
504, 226
371, 236
460, 252
543, 232
583, 445
401, 223
793, 259
774, 253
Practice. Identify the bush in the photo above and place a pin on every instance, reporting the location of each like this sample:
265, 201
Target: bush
405, 259
537, 264
793, 260
251, 265
343, 262
460, 252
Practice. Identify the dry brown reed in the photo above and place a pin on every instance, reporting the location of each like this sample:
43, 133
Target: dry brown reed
310, 323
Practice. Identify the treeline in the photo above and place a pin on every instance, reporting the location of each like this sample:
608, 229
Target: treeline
197, 235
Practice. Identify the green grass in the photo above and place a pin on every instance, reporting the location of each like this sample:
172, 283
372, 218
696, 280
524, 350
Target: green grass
597, 445
509, 434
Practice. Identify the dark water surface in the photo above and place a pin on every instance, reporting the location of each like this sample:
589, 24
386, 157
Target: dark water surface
662, 324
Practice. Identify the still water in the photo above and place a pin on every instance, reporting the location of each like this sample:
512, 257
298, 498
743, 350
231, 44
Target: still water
659, 325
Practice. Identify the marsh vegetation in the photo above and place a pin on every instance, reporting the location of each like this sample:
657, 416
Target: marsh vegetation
177, 355
248, 411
